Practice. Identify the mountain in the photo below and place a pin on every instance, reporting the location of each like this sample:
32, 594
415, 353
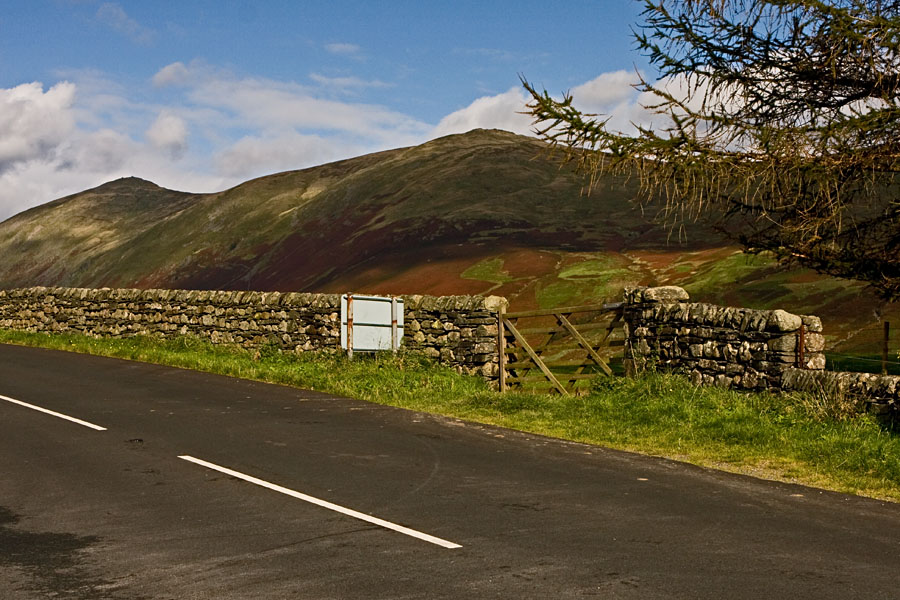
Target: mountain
481, 212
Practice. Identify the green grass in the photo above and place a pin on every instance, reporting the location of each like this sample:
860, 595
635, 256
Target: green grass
490, 270
784, 437
722, 274
598, 268
596, 279
559, 293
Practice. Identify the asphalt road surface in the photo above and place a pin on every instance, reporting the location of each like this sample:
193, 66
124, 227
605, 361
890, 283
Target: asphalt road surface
199, 486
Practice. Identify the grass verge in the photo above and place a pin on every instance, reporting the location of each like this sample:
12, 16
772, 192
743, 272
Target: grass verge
786, 437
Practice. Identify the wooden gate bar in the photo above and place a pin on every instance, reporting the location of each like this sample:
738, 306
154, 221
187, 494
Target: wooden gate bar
572, 377
537, 360
549, 363
548, 329
569, 309
565, 323
565, 346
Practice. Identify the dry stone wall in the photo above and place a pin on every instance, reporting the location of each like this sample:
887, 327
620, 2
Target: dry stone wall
744, 348
455, 330
880, 393
725, 346
459, 331
714, 345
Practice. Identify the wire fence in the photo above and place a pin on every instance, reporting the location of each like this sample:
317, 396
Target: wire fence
875, 351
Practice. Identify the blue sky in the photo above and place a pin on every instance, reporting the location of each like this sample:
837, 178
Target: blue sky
200, 95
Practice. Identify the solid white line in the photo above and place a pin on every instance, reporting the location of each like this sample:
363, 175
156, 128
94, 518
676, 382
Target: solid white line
325, 504
55, 414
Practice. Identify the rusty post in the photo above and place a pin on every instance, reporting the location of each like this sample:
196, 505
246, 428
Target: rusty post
394, 342
501, 347
884, 347
350, 326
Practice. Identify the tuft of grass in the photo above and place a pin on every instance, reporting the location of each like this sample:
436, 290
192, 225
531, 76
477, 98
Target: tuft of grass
788, 437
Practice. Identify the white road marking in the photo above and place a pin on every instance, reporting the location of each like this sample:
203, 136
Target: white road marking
55, 414
324, 504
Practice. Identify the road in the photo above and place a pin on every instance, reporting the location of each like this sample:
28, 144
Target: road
139, 510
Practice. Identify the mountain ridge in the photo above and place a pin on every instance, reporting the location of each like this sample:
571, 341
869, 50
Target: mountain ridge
483, 212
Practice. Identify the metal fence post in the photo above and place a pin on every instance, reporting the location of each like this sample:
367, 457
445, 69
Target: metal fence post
884, 347
501, 347
394, 343
350, 326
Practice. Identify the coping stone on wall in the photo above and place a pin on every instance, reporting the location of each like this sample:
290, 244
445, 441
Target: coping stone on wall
781, 320
665, 293
443, 303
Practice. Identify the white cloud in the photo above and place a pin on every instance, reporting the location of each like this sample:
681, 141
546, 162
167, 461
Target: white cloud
606, 91
255, 155
70, 139
83, 161
89, 130
104, 157
35, 182
169, 132
33, 123
173, 74
101, 151
344, 49
612, 96
114, 16
58, 142
679, 87
346, 83
268, 105
502, 111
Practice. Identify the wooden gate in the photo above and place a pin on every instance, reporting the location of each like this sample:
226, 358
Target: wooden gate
560, 349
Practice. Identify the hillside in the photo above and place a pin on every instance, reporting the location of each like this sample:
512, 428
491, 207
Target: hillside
482, 212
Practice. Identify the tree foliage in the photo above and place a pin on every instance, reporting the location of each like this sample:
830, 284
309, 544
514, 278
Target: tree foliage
782, 125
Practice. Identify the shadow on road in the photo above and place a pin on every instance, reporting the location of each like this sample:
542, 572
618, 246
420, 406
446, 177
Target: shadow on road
52, 562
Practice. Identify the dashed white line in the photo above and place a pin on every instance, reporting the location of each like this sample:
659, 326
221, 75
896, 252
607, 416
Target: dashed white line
324, 504
53, 413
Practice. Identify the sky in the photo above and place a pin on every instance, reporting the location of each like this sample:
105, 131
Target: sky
199, 96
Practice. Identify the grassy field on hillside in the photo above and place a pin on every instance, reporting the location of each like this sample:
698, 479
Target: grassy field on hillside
794, 438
